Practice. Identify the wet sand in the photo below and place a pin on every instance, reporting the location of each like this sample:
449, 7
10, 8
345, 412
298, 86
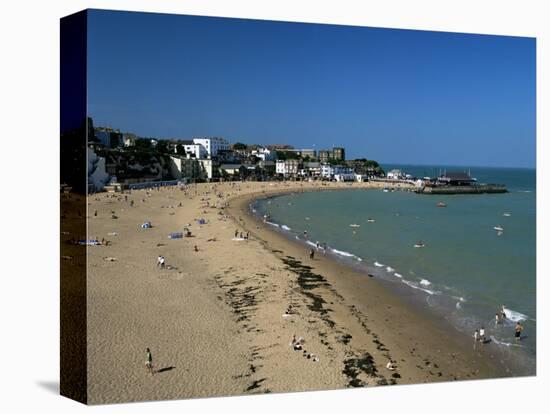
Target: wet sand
215, 319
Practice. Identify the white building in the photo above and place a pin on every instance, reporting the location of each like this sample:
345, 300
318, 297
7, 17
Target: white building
394, 175
212, 145
129, 139
345, 177
186, 167
264, 154
329, 171
287, 167
326, 171
195, 150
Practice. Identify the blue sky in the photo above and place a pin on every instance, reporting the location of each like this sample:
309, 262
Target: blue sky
397, 96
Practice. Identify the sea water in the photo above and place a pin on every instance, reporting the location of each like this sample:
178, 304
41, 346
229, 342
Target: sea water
466, 270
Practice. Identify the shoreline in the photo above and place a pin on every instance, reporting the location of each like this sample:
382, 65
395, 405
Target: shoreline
360, 288
216, 318
503, 362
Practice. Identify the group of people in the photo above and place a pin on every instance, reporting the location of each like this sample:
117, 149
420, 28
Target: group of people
500, 316
298, 345
241, 235
479, 335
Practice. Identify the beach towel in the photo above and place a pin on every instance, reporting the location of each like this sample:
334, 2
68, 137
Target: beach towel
89, 242
175, 235
201, 221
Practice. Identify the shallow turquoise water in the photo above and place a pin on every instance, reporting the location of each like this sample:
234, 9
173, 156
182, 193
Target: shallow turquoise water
466, 270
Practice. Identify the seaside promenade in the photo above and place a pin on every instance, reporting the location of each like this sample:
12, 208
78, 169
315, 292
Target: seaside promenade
219, 318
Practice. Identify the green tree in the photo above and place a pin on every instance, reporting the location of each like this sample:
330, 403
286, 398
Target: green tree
162, 146
239, 146
143, 144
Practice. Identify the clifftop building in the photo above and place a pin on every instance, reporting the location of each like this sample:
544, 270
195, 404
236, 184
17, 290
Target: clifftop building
212, 145
336, 154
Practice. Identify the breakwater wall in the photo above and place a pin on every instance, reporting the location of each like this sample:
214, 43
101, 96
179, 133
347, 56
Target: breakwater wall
465, 189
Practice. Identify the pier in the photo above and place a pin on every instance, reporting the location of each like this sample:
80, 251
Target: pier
463, 189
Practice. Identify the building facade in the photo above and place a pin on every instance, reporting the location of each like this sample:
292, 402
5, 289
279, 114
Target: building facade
109, 137
338, 154
287, 167
264, 154
212, 145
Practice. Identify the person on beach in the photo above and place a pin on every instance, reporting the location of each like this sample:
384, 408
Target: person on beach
518, 329
236, 233
160, 262
293, 340
482, 334
476, 336
391, 366
149, 361
503, 312
311, 254
196, 248
498, 317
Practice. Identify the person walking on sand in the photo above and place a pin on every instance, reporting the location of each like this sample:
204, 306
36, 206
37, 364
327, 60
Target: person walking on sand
311, 254
149, 361
196, 248
518, 329
236, 233
476, 336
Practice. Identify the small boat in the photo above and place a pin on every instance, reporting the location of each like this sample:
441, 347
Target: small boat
355, 225
419, 244
441, 204
506, 214
498, 228
370, 220
385, 189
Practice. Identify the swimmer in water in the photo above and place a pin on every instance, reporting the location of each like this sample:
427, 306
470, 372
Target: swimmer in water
518, 329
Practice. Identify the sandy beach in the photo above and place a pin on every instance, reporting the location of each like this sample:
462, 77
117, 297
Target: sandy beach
219, 319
